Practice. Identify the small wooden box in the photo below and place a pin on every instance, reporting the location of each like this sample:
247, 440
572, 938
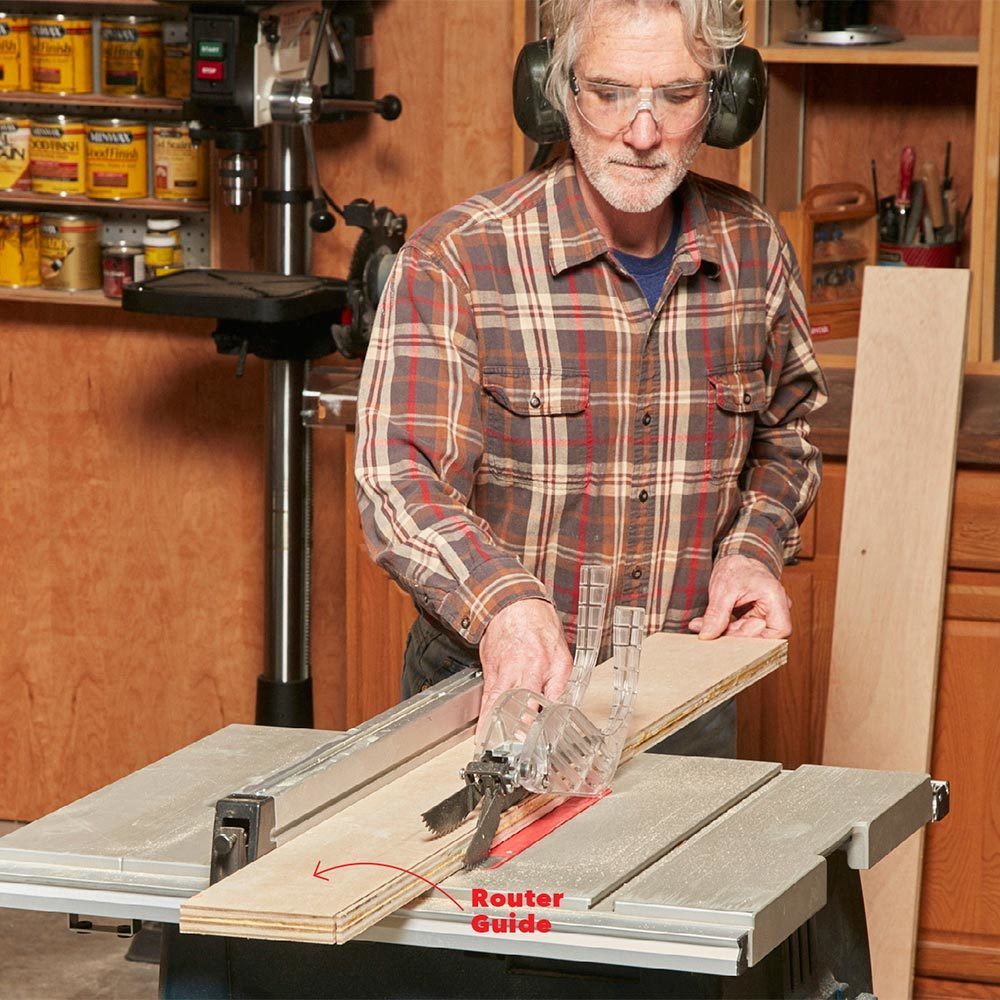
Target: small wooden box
835, 235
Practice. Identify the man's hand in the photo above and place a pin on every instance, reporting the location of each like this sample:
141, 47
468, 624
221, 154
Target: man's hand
744, 599
524, 646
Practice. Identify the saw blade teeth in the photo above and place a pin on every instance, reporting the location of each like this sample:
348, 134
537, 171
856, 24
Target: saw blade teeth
439, 830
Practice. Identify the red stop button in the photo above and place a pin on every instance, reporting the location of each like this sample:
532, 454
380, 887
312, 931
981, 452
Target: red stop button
208, 69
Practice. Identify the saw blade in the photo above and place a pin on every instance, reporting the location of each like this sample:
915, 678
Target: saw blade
453, 811
495, 803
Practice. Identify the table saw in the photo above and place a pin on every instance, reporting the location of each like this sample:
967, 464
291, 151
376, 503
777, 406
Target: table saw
695, 877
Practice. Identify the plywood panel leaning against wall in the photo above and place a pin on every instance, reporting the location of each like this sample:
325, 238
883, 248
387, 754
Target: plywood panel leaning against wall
893, 556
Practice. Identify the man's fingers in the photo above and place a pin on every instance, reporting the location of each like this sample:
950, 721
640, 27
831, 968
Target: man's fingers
556, 683
779, 617
716, 619
749, 627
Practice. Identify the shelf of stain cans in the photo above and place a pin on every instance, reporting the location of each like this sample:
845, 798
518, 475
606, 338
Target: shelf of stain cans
143, 62
123, 220
174, 55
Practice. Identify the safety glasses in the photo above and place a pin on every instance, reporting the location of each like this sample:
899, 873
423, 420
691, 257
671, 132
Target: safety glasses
610, 109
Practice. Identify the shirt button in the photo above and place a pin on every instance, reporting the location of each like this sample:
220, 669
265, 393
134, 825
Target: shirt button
643, 496
466, 622
636, 573
534, 402
746, 397
647, 419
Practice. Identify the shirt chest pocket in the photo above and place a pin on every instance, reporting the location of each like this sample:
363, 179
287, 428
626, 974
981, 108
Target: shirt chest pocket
736, 397
537, 428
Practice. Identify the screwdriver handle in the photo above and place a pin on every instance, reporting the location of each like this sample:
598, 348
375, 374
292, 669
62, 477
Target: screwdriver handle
907, 161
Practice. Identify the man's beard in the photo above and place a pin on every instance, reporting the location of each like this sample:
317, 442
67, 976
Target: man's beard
631, 190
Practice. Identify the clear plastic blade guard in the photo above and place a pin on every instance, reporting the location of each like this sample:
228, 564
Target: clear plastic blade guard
552, 747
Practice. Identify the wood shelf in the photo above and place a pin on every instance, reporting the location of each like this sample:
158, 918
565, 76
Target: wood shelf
915, 50
93, 297
55, 201
122, 104
170, 11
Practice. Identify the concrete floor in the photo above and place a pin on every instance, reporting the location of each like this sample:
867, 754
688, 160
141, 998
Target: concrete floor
41, 960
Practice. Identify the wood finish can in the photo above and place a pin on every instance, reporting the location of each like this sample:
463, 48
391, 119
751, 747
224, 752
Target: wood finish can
19, 250
15, 141
61, 55
132, 56
180, 168
57, 154
117, 159
70, 251
176, 60
121, 264
14, 52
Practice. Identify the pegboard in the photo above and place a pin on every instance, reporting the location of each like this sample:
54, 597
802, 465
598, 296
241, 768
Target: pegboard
129, 224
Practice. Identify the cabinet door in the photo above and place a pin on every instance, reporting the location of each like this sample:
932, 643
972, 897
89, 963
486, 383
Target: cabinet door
959, 934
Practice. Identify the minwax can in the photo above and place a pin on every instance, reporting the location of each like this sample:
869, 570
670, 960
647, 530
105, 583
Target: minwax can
61, 55
180, 168
176, 60
57, 151
19, 250
117, 159
14, 54
70, 251
15, 140
132, 56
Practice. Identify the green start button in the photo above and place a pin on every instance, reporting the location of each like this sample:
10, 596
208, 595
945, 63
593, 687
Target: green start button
211, 49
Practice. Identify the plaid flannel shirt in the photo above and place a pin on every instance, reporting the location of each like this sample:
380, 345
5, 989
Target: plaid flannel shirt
523, 412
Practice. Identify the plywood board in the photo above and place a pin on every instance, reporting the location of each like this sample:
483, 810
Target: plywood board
278, 898
890, 588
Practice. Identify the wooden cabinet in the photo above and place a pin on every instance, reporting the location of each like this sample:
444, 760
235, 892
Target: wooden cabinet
831, 110
959, 935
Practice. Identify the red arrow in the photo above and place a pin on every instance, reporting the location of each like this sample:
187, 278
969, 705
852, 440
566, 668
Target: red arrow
319, 873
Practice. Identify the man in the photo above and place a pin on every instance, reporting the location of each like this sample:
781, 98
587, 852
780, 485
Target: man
605, 361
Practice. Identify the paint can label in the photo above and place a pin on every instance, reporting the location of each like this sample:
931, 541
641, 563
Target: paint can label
180, 168
132, 57
15, 140
60, 55
57, 154
116, 160
13, 52
70, 251
19, 259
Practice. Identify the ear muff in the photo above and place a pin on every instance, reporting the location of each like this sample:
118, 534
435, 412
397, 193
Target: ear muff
535, 116
740, 93
738, 99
